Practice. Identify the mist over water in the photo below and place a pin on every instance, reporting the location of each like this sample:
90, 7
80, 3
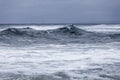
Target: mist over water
61, 61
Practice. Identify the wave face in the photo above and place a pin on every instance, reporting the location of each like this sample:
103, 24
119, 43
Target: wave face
69, 33
69, 30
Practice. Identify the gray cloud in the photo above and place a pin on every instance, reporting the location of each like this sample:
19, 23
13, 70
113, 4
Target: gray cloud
59, 11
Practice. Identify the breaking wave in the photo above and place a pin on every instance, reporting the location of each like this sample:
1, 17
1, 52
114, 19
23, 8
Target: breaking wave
69, 33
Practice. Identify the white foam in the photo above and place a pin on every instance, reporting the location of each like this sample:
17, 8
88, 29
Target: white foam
54, 58
102, 28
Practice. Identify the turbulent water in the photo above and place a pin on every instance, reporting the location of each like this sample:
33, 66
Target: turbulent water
59, 52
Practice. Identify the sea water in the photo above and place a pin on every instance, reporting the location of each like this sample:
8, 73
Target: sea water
70, 61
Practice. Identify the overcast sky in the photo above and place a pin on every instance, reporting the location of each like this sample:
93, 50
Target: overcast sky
59, 11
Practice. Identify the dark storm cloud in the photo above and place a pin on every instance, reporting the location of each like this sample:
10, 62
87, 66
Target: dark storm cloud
59, 11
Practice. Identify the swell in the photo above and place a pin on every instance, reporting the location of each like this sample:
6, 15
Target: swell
69, 33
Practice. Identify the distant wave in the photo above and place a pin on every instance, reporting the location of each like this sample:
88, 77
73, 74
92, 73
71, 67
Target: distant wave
69, 33
25, 31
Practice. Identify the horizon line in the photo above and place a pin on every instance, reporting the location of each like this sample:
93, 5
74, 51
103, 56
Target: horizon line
54, 23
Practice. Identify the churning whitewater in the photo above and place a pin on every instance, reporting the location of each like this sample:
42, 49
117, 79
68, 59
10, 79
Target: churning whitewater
59, 52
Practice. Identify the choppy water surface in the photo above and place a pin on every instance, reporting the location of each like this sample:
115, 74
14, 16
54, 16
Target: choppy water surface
71, 61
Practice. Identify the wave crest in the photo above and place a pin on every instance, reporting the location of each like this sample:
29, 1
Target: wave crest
69, 33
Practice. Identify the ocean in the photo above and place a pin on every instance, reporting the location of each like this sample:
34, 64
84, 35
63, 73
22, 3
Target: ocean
60, 52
